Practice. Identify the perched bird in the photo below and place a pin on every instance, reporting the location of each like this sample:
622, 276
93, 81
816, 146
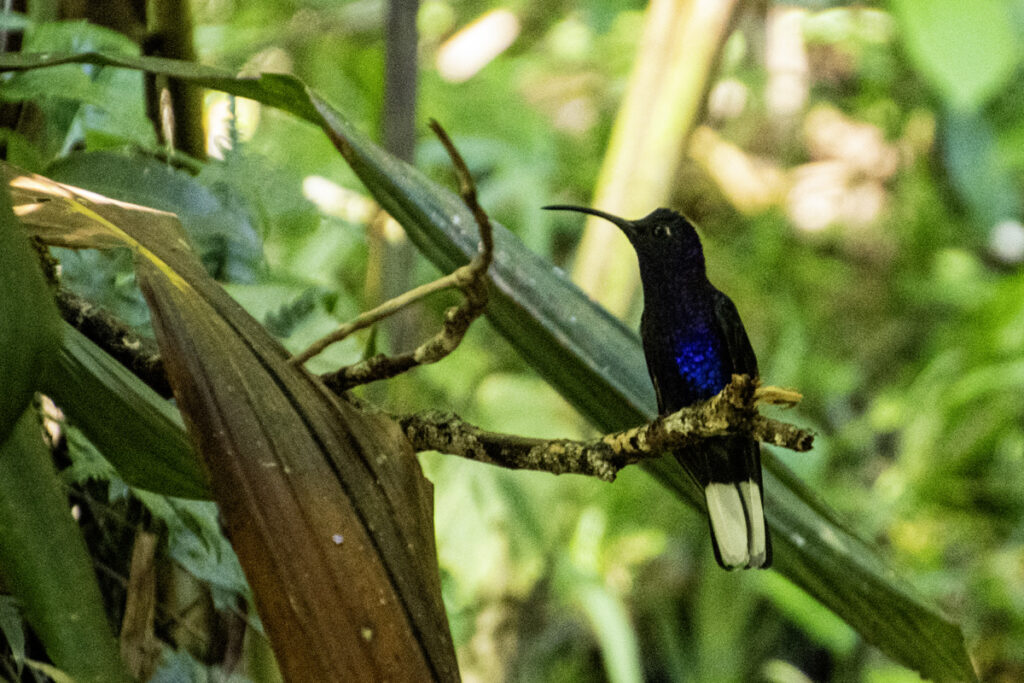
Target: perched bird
694, 341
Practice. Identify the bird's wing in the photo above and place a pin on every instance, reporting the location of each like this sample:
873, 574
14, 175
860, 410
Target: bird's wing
741, 352
659, 363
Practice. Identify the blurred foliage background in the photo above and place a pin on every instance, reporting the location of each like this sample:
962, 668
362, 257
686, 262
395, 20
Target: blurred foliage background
856, 172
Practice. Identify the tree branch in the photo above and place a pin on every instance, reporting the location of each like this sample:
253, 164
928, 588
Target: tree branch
732, 411
137, 353
470, 279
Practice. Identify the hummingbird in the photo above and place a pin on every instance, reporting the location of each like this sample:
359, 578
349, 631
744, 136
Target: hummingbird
694, 341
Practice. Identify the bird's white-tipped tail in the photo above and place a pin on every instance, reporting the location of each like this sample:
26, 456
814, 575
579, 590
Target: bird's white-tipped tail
737, 523
758, 547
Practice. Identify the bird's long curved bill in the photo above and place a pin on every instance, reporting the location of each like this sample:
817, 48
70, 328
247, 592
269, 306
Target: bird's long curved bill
623, 225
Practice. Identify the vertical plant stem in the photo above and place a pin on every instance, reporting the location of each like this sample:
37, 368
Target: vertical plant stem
170, 35
391, 254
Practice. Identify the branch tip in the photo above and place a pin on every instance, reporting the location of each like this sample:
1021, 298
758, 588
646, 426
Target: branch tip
469, 279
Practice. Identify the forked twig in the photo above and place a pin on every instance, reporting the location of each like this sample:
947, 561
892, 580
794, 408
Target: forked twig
470, 279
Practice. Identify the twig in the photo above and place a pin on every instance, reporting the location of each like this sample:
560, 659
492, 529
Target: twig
776, 396
469, 279
135, 352
374, 315
732, 411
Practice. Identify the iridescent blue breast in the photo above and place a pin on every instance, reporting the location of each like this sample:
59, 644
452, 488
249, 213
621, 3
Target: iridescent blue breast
700, 364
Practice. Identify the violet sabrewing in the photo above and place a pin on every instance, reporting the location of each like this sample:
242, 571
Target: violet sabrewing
694, 341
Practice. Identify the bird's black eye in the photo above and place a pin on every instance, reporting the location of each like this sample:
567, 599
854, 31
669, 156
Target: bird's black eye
662, 231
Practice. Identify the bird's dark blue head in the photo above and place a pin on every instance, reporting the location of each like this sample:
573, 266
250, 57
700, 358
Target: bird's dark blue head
665, 241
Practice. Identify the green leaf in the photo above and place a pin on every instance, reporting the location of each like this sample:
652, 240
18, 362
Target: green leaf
139, 432
597, 363
968, 50
196, 541
12, 628
29, 322
45, 563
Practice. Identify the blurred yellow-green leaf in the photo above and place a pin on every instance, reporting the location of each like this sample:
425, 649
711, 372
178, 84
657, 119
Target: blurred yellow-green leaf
29, 324
966, 67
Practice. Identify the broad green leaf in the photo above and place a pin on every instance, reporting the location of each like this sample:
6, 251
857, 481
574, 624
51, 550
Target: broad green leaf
42, 556
597, 363
29, 323
139, 432
45, 563
968, 50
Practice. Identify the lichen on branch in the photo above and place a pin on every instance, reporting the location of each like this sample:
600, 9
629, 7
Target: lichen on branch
731, 411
